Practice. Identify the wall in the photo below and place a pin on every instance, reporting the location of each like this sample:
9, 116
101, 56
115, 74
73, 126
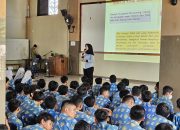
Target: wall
16, 19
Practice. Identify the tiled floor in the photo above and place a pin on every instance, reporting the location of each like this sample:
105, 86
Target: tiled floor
78, 78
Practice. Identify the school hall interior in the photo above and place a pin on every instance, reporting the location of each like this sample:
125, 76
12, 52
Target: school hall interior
136, 40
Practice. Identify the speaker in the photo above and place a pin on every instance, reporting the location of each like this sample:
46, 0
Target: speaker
174, 2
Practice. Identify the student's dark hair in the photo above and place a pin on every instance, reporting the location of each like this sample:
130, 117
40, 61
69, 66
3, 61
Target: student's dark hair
98, 80
146, 96
121, 86
136, 91
38, 96
53, 85
143, 88
82, 125
157, 85
19, 87
101, 115
64, 79
137, 113
163, 110
82, 90
27, 89
34, 45
50, 102
63, 89
89, 101
10, 95
103, 89
7, 79
106, 84
76, 100
33, 88
123, 93
112, 78
84, 79
13, 105
17, 81
74, 84
167, 89
44, 116
41, 83
125, 81
164, 126
127, 98
90, 49
178, 103
66, 102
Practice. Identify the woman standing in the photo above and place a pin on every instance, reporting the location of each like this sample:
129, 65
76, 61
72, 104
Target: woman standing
88, 58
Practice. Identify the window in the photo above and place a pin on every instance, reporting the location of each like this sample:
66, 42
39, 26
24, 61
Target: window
53, 7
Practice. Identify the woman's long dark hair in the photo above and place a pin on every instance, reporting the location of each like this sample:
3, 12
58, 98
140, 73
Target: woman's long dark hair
90, 49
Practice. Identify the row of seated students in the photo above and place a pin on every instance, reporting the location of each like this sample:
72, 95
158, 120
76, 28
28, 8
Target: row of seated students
107, 106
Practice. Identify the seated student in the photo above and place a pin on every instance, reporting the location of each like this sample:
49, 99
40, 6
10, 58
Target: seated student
82, 125
44, 122
64, 80
137, 116
121, 113
90, 105
126, 82
176, 118
82, 91
73, 88
162, 112
27, 79
97, 86
164, 126
52, 89
19, 90
150, 110
155, 95
136, 92
120, 86
143, 88
78, 101
107, 85
62, 90
50, 104
9, 95
113, 88
101, 118
115, 103
14, 109
103, 99
66, 120
32, 110
166, 98
41, 85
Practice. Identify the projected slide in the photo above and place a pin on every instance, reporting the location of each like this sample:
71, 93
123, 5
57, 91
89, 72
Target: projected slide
133, 30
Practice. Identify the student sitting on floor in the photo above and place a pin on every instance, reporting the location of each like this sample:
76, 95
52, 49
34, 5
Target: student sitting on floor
19, 90
121, 113
73, 88
50, 104
164, 126
166, 98
82, 125
90, 105
44, 122
52, 89
97, 86
64, 80
103, 99
65, 120
41, 85
136, 92
150, 110
78, 101
101, 118
137, 116
14, 109
176, 118
27, 79
113, 88
155, 95
82, 91
162, 112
